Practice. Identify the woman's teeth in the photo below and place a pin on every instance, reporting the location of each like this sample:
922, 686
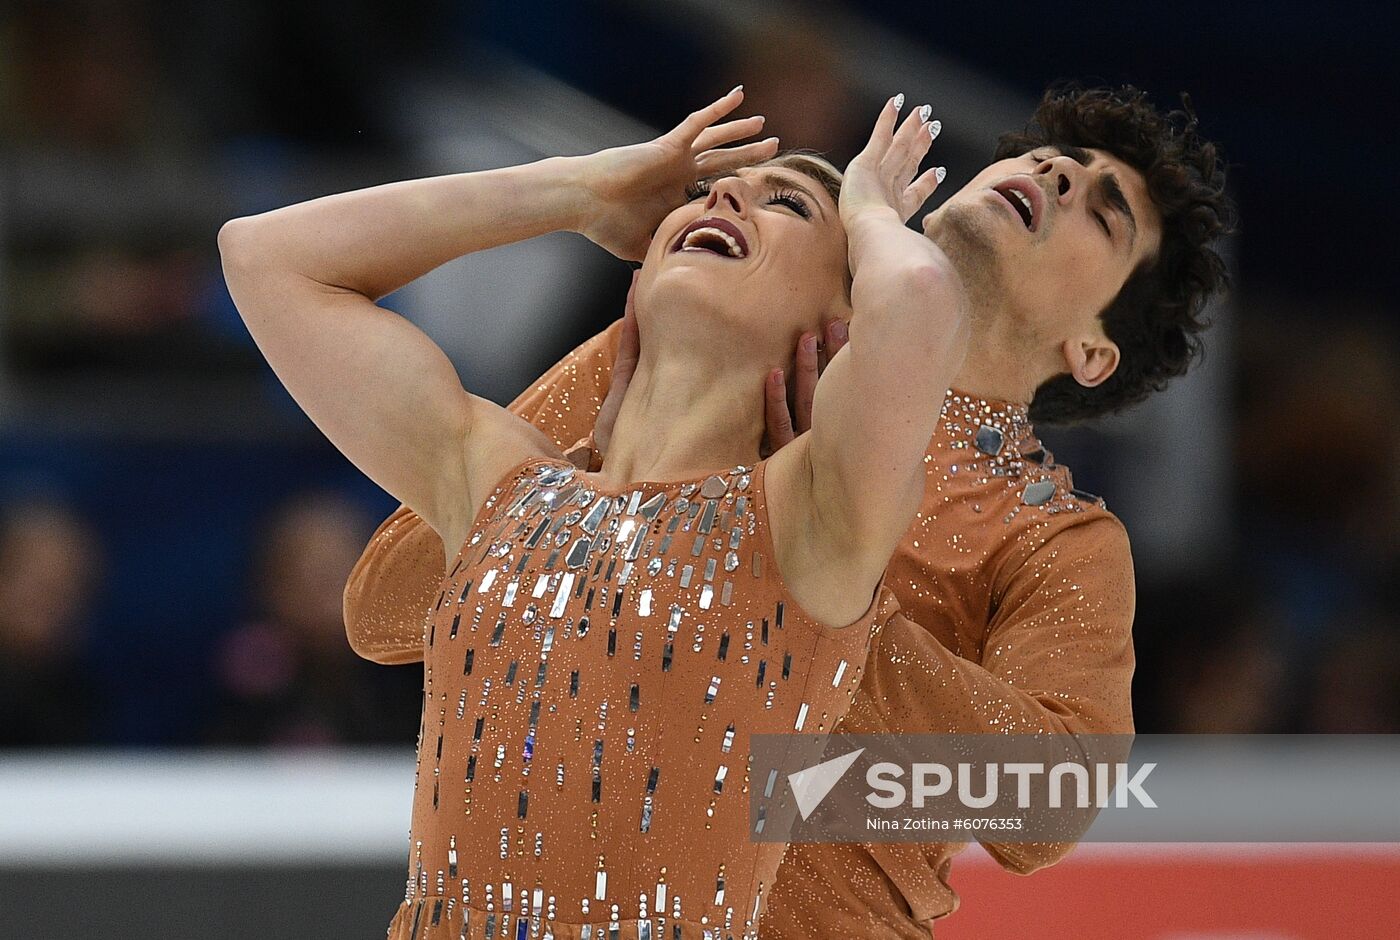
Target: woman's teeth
707, 239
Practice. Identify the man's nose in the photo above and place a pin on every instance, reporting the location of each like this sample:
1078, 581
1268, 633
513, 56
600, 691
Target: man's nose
1063, 175
730, 192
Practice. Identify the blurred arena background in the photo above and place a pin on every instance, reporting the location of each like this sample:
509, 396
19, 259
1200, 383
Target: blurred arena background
188, 746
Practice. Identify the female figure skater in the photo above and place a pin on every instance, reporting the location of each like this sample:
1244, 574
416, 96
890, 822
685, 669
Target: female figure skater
605, 643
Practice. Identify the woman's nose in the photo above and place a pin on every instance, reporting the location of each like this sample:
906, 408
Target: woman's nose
731, 194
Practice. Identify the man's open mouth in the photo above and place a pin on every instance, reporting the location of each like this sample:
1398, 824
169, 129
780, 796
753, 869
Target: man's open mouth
716, 235
1020, 195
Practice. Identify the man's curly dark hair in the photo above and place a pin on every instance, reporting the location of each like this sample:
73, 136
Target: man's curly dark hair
1156, 319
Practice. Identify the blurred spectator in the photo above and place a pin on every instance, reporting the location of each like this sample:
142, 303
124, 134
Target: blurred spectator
1208, 660
288, 676
50, 567
1355, 687
794, 76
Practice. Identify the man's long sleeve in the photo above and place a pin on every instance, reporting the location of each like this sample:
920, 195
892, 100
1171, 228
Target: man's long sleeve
1058, 657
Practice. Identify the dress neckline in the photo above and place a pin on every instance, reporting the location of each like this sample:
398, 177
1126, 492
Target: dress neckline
564, 471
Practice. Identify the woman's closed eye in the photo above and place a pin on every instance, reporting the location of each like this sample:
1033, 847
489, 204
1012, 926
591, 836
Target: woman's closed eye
695, 190
793, 200
790, 198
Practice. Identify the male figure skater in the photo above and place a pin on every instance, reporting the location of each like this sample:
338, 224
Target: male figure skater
1087, 250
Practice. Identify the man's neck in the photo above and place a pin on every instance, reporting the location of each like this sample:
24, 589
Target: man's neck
999, 365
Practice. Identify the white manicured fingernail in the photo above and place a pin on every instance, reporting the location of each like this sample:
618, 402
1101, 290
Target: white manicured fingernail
734, 89
925, 111
899, 101
934, 128
940, 173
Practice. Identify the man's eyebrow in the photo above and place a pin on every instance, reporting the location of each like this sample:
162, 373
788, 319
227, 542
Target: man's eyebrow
1077, 154
1109, 188
1113, 195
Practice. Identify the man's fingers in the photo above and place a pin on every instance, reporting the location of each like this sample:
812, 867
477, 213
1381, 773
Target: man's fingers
776, 416
629, 345
727, 133
837, 334
731, 158
628, 352
805, 381
697, 121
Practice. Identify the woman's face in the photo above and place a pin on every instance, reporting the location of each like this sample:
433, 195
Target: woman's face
763, 248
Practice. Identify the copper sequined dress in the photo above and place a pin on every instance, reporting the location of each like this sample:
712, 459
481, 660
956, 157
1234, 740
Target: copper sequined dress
1016, 608
595, 664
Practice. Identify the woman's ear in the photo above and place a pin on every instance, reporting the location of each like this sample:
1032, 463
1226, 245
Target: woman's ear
1091, 359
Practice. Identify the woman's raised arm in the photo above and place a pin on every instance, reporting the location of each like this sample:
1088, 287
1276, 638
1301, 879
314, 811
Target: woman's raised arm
305, 279
877, 404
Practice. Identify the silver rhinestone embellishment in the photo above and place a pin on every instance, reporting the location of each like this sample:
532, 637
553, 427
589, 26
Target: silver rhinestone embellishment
989, 440
1038, 492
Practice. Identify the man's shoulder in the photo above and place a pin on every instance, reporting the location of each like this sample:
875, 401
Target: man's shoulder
1013, 508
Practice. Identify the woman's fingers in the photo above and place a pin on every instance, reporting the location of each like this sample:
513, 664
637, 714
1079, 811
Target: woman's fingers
883, 130
691, 128
731, 158
910, 146
727, 133
918, 192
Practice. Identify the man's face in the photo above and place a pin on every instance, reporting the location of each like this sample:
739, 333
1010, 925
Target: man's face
1046, 240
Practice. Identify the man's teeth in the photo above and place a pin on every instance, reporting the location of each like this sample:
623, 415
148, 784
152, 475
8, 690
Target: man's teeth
1025, 201
694, 239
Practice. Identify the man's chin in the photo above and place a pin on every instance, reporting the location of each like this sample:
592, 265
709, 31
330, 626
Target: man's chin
969, 239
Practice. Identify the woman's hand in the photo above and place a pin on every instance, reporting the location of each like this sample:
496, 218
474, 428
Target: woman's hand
628, 191
881, 177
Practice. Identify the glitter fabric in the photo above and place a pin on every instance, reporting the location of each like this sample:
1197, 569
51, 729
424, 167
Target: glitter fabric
595, 663
1016, 603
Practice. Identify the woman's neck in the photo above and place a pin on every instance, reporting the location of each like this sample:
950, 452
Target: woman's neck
682, 418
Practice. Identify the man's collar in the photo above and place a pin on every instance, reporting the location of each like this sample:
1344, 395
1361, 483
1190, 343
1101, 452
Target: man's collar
995, 427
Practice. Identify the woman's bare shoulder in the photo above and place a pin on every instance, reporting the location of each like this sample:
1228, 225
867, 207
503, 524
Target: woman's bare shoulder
496, 442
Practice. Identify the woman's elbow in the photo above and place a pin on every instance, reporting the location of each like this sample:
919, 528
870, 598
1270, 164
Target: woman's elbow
238, 239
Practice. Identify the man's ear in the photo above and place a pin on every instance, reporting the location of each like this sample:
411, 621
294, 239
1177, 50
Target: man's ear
1091, 359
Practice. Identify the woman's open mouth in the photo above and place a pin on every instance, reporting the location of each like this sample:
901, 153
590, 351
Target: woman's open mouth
716, 235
